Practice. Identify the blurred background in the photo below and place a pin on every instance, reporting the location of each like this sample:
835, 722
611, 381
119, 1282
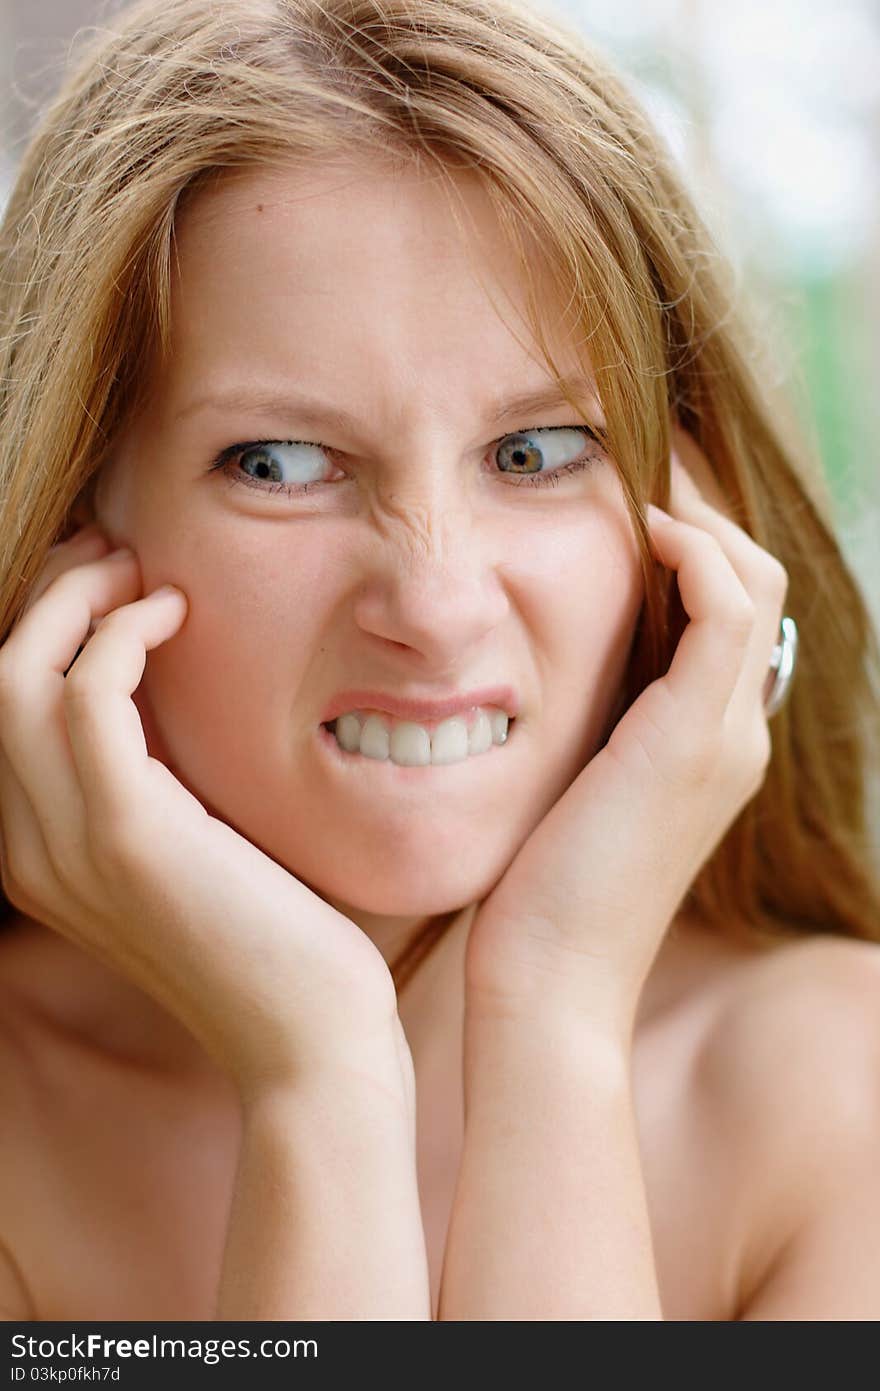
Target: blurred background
773, 113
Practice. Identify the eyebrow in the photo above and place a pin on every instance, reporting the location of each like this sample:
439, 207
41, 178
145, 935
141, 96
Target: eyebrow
312, 412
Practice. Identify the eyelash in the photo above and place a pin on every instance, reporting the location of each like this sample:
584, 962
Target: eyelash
225, 460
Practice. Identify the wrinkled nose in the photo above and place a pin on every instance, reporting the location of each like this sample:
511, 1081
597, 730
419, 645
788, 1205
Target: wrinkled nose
433, 578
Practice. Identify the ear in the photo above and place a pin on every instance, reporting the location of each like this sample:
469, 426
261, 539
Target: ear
100, 498
82, 511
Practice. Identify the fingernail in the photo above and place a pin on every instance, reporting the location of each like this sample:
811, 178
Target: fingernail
123, 553
167, 589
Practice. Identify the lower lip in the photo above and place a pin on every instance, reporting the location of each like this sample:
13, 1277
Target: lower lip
358, 763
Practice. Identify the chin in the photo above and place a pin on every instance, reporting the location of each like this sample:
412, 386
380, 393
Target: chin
417, 889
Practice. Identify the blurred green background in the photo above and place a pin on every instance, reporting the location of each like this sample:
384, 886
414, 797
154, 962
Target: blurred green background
773, 113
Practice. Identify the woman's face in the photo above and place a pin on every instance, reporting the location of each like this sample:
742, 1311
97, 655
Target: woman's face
418, 562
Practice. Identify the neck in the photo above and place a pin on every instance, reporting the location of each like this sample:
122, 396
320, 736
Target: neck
77, 994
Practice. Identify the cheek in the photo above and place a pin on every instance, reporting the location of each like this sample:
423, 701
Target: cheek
261, 594
598, 595
226, 691
578, 582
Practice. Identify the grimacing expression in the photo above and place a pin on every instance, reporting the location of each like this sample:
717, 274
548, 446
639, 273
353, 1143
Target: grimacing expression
415, 557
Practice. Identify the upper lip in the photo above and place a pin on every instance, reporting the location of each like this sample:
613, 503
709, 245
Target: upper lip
410, 707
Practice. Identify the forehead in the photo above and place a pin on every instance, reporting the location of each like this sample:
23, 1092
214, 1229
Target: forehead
340, 213
317, 260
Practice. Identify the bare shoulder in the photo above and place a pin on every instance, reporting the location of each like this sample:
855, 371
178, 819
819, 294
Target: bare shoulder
791, 1069
802, 1018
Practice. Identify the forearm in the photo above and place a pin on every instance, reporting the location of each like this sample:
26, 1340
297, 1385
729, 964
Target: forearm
325, 1220
549, 1218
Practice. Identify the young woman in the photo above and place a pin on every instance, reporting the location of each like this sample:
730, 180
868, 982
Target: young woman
453, 898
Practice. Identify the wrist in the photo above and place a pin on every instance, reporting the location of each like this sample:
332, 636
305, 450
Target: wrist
518, 1068
561, 1015
376, 1070
528, 969
538, 1045
332, 1098
326, 1219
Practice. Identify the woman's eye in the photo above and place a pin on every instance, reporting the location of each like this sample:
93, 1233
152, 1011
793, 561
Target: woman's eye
535, 458
286, 464
540, 456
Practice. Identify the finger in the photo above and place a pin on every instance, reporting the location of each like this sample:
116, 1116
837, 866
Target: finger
104, 725
26, 867
87, 544
32, 876
691, 464
33, 729
709, 658
761, 574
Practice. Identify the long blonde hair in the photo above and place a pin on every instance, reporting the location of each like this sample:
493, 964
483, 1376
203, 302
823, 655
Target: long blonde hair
177, 92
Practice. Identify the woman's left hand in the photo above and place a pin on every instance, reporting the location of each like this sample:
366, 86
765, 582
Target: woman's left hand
579, 915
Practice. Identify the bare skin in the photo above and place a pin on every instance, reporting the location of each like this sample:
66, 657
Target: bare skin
121, 1137
753, 1073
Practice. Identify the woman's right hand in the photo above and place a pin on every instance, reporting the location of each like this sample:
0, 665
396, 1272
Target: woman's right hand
103, 844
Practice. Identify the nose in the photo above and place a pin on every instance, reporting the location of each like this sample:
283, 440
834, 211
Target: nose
433, 565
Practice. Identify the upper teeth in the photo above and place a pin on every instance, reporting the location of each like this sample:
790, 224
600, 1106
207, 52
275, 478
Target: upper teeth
413, 745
